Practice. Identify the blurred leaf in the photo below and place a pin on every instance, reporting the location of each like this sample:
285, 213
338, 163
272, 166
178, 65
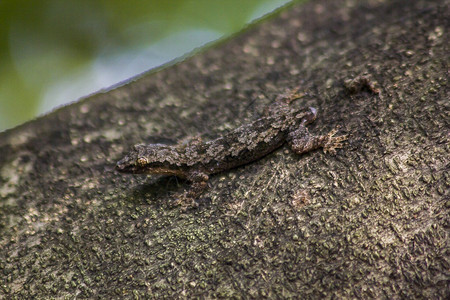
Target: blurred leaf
53, 52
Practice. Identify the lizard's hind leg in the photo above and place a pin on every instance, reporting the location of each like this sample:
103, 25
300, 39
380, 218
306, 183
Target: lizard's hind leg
301, 141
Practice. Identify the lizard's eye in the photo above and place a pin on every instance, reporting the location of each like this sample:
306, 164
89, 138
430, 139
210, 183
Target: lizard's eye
141, 161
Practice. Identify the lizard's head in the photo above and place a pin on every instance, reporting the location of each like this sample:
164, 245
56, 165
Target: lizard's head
134, 161
150, 159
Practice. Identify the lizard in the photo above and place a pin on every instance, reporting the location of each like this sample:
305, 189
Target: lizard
196, 160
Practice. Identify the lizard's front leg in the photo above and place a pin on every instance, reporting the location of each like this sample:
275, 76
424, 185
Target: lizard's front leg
301, 141
198, 181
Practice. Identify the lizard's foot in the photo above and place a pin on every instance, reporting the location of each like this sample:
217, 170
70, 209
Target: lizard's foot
185, 201
199, 184
301, 141
331, 142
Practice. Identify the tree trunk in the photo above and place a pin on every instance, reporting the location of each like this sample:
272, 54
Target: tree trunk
369, 222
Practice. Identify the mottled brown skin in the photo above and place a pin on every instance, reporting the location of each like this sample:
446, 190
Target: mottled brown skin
196, 160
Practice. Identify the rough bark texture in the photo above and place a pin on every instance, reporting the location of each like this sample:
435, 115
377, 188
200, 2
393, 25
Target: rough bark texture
370, 222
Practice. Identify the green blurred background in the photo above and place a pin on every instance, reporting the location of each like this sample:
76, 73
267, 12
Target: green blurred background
55, 51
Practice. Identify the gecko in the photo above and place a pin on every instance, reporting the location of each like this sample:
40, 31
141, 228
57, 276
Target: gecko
196, 160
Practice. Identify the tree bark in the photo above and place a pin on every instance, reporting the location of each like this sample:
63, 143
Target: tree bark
370, 222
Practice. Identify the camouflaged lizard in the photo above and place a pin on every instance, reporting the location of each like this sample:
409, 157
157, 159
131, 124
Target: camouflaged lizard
196, 160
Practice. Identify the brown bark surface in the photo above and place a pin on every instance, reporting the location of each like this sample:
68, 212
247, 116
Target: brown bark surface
370, 222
